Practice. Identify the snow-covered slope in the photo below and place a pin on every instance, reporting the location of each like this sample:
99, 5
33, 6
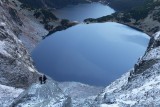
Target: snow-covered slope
141, 86
42, 95
79, 93
8, 94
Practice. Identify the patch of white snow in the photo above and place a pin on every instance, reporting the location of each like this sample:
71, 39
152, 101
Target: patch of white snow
110, 105
2, 49
157, 35
31, 69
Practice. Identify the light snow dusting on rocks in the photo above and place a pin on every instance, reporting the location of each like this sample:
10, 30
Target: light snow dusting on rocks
8, 94
80, 93
16, 68
42, 95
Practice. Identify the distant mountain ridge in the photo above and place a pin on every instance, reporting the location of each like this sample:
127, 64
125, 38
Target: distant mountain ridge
116, 4
51, 3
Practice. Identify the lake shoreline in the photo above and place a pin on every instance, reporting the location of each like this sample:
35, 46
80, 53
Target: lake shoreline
64, 28
88, 49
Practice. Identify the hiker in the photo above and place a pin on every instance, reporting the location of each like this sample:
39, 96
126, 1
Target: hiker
40, 79
44, 79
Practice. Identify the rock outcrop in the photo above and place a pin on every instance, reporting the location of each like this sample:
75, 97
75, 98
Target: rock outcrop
42, 95
16, 67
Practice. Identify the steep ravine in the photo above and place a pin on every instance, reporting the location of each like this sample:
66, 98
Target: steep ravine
140, 87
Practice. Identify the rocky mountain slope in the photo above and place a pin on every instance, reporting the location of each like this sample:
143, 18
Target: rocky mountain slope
145, 17
33, 24
16, 68
16, 65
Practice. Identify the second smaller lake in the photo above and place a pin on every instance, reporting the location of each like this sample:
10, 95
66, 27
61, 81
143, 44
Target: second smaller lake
83, 11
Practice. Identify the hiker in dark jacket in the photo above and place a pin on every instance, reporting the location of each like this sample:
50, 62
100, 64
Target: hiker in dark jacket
40, 79
44, 79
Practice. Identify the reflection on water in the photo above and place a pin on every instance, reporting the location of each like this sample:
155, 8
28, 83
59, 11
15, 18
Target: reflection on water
95, 54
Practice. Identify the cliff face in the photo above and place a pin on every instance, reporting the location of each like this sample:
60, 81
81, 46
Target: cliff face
16, 68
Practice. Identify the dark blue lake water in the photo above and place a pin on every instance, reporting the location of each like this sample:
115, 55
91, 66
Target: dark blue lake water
83, 11
94, 54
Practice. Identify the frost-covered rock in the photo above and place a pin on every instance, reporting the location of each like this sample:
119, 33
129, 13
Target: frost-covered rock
16, 67
8, 94
42, 95
81, 94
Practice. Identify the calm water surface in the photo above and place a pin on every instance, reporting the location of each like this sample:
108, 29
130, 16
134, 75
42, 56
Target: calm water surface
83, 11
94, 54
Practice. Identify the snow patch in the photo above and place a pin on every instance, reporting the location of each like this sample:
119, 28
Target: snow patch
153, 54
131, 103
110, 105
31, 69
2, 23
2, 49
157, 35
